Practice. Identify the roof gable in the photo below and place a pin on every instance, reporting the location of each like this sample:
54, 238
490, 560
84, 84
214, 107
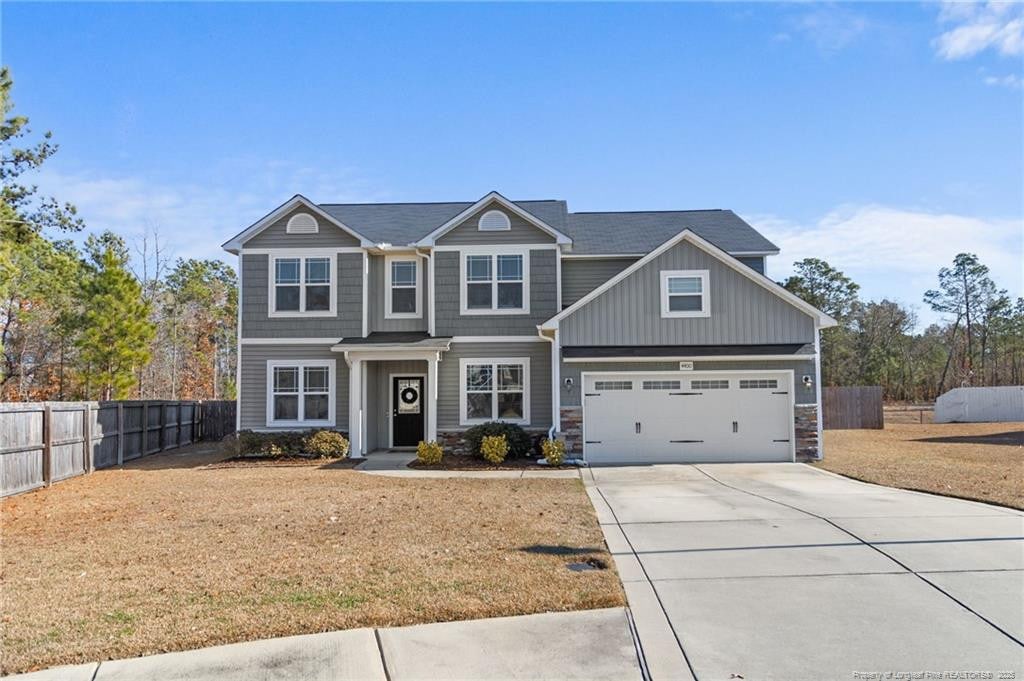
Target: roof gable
492, 198
821, 319
236, 243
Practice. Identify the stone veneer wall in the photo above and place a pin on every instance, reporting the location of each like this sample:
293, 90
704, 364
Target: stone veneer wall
804, 416
454, 441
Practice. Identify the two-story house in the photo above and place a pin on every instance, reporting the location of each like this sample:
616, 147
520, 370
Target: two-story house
637, 336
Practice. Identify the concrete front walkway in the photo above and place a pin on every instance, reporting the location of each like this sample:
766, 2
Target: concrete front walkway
591, 644
397, 464
783, 571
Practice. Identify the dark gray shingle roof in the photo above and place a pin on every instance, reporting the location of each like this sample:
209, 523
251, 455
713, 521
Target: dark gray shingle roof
642, 232
592, 233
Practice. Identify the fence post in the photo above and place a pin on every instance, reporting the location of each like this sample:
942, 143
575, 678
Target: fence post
47, 444
120, 433
197, 421
87, 462
163, 426
144, 447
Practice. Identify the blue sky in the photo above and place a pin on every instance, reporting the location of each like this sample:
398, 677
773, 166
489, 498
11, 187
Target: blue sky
883, 137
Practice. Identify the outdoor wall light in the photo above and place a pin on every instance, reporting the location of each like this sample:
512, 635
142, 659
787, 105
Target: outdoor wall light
568, 383
807, 381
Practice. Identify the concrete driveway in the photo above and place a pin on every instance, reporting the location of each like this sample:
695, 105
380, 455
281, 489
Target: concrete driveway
783, 571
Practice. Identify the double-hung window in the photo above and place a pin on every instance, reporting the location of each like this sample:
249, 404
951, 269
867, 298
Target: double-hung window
495, 390
684, 293
300, 393
495, 283
402, 295
302, 285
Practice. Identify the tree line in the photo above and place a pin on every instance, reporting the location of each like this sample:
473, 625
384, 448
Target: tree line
979, 343
92, 321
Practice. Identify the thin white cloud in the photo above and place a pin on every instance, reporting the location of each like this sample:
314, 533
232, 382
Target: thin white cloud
896, 253
195, 218
831, 27
974, 27
1010, 80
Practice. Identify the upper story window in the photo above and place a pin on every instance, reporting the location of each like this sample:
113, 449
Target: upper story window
494, 221
302, 285
402, 295
302, 223
495, 283
684, 293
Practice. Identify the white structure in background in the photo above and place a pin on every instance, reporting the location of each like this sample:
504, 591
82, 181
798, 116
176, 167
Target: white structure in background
965, 405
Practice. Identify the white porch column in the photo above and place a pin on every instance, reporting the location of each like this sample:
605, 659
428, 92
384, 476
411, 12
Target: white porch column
355, 407
432, 397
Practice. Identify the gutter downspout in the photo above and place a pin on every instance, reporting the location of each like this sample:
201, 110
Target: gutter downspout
556, 381
430, 286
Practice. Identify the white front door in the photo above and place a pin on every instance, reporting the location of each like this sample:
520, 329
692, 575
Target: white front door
683, 417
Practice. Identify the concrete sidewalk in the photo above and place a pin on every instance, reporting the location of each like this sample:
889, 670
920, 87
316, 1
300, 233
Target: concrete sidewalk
396, 464
590, 644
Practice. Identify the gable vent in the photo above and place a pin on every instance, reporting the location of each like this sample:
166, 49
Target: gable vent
494, 221
302, 223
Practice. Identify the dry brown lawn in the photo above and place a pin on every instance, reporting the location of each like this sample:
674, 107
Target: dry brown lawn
980, 461
169, 554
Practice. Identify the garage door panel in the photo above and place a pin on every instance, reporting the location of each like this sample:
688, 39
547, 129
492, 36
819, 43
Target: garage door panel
691, 417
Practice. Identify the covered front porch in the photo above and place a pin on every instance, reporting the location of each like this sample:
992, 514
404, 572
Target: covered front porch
393, 380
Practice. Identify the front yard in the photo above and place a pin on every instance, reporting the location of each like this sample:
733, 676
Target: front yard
169, 554
980, 461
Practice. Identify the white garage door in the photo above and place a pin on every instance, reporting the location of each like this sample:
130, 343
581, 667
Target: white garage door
685, 417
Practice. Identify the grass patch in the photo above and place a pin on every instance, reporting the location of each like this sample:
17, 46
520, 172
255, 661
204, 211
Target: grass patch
170, 554
978, 461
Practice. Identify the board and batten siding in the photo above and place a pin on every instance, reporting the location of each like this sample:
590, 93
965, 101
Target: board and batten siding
379, 289
255, 292
378, 397
580, 277
252, 380
276, 235
521, 232
539, 354
574, 370
742, 312
449, 321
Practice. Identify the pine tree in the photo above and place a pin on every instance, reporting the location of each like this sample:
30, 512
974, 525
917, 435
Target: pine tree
116, 329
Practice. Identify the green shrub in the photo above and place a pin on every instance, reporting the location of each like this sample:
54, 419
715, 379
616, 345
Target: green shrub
429, 453
494, 448
519, 443
327, 444
554, 452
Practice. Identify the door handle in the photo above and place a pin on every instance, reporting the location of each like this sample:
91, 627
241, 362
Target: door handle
637, 427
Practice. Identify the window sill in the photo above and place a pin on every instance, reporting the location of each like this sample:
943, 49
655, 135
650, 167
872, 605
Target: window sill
477, 422
481, 312
319, 313
300, 424
677, 315
403, 315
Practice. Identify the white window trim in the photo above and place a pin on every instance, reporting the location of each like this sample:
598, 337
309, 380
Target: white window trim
506, 225
301, 364
301, 255
705, 297
493, 252
494, 361
413, 258
290, 227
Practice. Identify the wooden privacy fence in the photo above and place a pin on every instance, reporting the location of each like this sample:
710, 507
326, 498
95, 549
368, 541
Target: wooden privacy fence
849, 407
43, 442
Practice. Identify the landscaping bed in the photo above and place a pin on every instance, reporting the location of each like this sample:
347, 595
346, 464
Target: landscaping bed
284, 461
170, 553
465, 462
978, 461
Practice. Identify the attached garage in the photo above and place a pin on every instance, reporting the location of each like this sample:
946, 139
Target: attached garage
688, 417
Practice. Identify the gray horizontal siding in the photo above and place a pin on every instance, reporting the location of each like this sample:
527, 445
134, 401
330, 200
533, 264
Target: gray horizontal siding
522, 232
255, 292
580, 277
804, 395
539, 386
276, 236
252, 380
378, 397
742, 312
378, 291
754, 262
449, 322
